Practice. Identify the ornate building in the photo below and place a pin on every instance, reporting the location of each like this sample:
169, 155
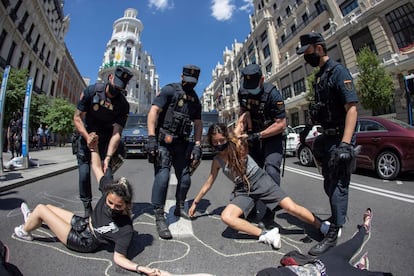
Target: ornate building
125, 48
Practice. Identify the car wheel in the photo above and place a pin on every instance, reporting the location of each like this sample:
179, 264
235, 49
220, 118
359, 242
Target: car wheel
305, 156
388, 165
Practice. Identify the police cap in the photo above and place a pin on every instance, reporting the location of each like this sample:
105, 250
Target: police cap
122, 76
308, 39
251, 78
191, 73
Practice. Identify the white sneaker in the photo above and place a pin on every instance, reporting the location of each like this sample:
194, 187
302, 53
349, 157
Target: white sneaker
272, 237
25, 211
325, 227
20, 233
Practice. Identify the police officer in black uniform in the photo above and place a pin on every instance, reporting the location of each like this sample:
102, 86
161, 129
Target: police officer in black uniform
103, 109
170, 123
268, 121
335, 108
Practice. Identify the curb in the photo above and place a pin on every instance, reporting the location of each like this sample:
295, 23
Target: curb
37, 178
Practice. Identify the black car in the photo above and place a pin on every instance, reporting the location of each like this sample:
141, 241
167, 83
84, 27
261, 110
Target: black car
135, 135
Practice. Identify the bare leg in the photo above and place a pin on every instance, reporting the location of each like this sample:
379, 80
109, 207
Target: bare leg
59, 225
231, 216
299, 211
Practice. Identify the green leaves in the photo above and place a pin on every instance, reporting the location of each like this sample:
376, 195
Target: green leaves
374, 85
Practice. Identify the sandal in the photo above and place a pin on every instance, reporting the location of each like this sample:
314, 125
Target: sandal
367, 220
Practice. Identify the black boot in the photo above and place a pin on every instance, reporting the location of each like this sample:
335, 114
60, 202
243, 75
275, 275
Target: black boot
162, 227
180, 211
329, 241
88, 209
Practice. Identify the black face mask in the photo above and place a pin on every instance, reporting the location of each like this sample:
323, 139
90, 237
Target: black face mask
221, 147
312, 59
111, 212
188, 86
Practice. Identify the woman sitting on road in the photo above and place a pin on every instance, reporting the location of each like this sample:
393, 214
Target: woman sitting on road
251, 184
110, 221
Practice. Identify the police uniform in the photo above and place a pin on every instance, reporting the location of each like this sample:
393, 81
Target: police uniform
334, 89
101, 113
265, 107
180, 108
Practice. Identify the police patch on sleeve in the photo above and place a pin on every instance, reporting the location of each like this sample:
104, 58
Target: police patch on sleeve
348, 85
280, 105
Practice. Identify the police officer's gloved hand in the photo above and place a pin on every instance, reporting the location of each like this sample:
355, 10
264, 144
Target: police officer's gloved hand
196, 153
152, 148
345, 151
304, 133
253, 137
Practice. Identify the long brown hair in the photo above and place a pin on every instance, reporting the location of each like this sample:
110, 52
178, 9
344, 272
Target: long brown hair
236, 152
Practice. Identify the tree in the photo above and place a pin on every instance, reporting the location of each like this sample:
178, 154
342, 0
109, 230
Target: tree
374, 85
16, 88
310, 80
59, 117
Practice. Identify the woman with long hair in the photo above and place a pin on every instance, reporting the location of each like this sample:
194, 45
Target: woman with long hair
251, 183
110, 221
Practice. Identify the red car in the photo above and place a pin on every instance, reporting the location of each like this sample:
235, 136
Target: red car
387, 147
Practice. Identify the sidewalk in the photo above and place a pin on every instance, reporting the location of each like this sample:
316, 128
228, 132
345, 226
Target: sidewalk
53, 161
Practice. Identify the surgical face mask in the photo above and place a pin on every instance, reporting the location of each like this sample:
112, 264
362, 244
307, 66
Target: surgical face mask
312, 59
188, 86
220, 147
111, 212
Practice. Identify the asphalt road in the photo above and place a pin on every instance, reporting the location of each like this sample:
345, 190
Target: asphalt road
206, 244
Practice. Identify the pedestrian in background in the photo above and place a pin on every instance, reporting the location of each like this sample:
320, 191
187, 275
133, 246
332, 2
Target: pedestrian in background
170, 124
335, 109
268, 121
103, 109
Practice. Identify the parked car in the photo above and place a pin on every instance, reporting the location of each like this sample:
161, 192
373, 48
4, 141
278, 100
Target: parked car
387, 147
315, 131
135, 135
292, 141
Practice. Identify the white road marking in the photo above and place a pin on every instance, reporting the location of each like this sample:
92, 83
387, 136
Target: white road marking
361, 187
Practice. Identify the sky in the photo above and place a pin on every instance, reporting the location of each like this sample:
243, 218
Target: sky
176, 33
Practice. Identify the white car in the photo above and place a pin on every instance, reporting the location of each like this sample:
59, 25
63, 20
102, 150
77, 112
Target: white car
292, 141
315, 131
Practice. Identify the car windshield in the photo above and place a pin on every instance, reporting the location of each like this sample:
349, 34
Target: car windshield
135, 121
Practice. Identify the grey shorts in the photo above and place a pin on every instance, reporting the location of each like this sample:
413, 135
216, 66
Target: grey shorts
81, 238
263, 189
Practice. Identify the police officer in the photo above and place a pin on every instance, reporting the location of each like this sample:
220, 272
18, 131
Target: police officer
335, 108
268, 121
170, 122
103, 109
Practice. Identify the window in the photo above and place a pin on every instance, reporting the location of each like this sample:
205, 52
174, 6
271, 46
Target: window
319, 7
29, 34
3, 36
19, 63
401, 21
274, 6
113, 51
11, 52
288, 11
348, 6
283, 38
294, 119
286, 92
279, 21
361, 39
266, 51
293, 29
305, 18
365, 125
299, 86
269, 68
263, 36
250, 49
128, 50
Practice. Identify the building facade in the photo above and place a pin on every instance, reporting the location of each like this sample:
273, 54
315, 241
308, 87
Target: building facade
125, 48
387, 27
32, 34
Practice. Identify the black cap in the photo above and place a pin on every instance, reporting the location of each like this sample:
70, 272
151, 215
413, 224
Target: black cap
309, 39
191, 73
122, 76
251, 78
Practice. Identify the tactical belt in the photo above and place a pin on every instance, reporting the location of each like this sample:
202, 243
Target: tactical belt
331, 131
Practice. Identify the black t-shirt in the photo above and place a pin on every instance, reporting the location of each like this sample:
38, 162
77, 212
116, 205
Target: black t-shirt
117, 230
101, 116
165, 97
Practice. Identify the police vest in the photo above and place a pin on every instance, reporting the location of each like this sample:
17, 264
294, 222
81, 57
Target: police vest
258, 108
177, 119
328, 109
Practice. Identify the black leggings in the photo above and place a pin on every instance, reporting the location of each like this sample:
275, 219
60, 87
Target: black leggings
336, 260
